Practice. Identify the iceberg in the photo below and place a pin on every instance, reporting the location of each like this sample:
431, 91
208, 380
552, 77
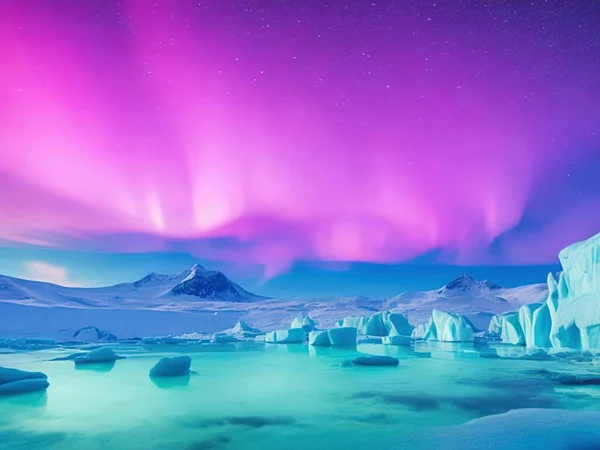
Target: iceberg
336, 337
570, 316
381, 324
576, 319
100, 355
448, 327
15, 381
291, 336
319, 339
305, 322
343, 336
178, 366
245, 330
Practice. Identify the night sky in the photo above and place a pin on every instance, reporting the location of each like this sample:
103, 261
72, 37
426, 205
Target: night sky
263, 133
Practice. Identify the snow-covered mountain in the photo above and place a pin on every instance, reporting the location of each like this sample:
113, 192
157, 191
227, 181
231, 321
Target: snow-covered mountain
192, 285
478, 300
198, 300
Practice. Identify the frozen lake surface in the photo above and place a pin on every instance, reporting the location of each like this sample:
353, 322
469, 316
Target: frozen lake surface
257, 396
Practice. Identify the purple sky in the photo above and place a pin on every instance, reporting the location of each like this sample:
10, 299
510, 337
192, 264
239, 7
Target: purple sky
270, 132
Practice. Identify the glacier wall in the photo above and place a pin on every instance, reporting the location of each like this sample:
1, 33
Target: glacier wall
570, 316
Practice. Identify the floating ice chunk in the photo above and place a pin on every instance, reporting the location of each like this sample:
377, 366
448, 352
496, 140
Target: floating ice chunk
291, 336
100, 355
449, 327
14, 381
376, 360
343, 337
178, 366
8, 375
222, 338
319, 339
305, 322
397, 340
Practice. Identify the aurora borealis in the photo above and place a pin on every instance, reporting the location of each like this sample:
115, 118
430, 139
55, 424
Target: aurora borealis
271, 132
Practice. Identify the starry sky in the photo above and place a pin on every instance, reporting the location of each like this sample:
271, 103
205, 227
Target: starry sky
264, 137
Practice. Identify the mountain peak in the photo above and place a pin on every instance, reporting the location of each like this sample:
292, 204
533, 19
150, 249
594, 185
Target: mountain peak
464, 283
210, 284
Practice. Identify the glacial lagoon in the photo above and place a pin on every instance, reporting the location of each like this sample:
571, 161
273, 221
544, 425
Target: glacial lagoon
273, 396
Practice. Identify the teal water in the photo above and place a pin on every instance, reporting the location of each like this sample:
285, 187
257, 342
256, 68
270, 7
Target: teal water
259, 396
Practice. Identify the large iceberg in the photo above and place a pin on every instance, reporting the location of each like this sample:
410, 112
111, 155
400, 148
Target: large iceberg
383, 323
570, 317
448, 327
291, 336
343, 336
336, 337
14, 381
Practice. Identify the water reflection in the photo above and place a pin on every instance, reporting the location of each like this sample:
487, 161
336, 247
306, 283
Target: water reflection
96, 367
171, 382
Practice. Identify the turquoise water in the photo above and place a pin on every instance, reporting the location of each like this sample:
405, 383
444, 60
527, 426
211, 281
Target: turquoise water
259, 396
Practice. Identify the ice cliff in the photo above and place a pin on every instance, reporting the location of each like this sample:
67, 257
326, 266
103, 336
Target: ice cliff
570, 317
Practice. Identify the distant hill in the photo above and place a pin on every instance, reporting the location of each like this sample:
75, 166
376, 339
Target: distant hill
191, 285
